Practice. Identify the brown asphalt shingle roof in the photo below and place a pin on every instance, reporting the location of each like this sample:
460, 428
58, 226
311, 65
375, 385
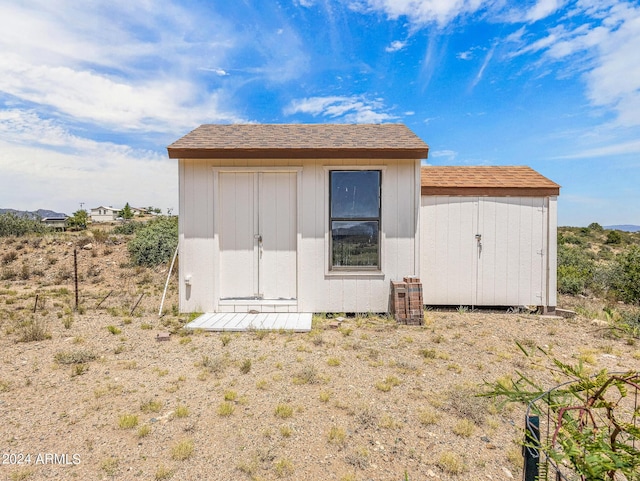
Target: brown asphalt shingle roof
299, 140
485, 180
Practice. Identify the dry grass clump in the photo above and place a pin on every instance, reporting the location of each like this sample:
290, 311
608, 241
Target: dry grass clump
451, 463
464, 428
226, 409
283, 411
428, 416
181, 411
151, 406
163, 473
128, 421
182, 450
283, 468
337, 436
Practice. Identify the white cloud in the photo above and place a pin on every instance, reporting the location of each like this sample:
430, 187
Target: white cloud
621, 148
395, 46
422, 11
603, 49
45, 166
159, 104
542, 9
483, 67
444, 156
354, 109
468, 55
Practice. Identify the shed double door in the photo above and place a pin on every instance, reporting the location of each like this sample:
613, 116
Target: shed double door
484, 251
257, 235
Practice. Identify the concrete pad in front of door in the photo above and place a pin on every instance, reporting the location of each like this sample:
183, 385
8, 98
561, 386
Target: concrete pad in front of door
244, 321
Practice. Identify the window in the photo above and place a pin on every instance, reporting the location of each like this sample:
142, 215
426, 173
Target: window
355, 218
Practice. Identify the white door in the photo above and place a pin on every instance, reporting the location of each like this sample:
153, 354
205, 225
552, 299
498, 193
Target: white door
484, 251
257, 235
511, 251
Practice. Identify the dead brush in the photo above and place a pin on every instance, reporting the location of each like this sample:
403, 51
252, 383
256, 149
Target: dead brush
215, 365
74, 357
307, 375
464, 402
33, 330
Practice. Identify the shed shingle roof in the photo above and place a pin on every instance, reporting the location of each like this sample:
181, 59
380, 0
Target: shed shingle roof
299, 141
486, 180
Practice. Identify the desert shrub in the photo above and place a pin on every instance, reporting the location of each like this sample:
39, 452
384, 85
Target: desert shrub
629, 282
33, 331
74, 357
613, 237
13, 225
594, 226
575, 270
155, 243
128, 228
9, 257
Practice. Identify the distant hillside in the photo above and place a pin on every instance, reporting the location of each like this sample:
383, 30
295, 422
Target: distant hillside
624, 227
32, 214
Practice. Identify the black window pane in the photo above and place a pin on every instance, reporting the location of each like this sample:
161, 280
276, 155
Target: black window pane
354, 243
355, 194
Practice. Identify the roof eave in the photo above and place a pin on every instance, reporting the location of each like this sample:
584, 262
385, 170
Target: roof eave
492, 191
289, 153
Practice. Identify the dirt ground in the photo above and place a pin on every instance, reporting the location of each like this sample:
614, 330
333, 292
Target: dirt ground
92, 394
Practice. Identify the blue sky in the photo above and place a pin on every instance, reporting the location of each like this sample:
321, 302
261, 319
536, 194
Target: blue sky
91, 93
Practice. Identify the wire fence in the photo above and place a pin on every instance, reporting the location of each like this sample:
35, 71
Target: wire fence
591, 412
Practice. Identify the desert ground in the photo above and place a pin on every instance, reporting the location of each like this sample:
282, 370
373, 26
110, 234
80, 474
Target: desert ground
92, 394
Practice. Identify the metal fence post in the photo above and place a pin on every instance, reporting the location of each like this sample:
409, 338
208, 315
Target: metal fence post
531, 448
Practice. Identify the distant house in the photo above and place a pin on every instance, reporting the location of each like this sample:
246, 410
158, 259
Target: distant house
57, 222
139, 211
104, 214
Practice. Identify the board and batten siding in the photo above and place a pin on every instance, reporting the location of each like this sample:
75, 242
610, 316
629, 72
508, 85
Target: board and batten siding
513, 263
318, 288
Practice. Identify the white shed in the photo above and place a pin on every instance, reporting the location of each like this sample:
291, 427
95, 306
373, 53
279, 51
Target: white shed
297, 218
488, 237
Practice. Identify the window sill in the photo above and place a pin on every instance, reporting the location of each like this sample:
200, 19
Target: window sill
362, 274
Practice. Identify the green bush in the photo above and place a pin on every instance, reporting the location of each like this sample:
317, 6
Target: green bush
155, 243
613, 237
629, 284
575, 270
13, 225
128, 228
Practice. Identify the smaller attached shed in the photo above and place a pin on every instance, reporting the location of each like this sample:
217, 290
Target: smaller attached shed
488, 236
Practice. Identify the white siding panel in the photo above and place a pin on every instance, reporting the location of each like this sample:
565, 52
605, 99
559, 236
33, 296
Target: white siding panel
196, 237
552, 250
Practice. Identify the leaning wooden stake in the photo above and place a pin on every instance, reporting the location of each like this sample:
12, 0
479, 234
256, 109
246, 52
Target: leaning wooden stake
104, 299
136, 304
